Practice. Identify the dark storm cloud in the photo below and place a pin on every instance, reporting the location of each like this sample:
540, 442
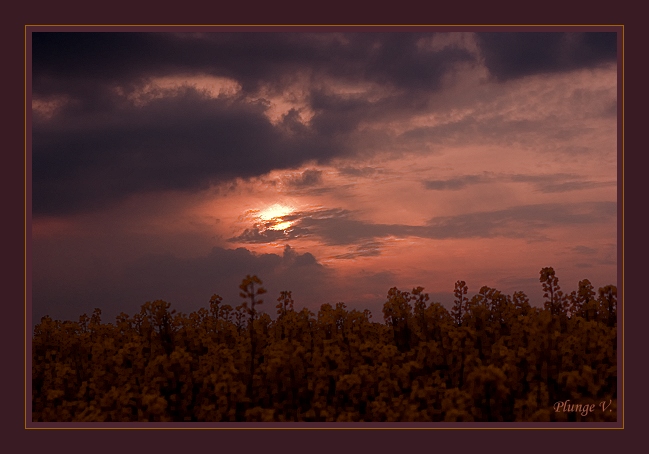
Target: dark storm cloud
180, 143
186, 283
109, 58
100, 147
86, 66
513, 55
338, 227
249, 57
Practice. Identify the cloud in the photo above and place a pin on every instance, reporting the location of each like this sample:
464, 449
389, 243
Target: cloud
584, 250
455, 184
260, 235
367, 249
559, 182
551, 183
365, 171
116, 114
605, 255
526, 221
394, 58
308, 178
544, 132
187, 283
513, 55
187, 142
122, 113
338, 226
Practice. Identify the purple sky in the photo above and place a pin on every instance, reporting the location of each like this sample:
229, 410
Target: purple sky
336, 165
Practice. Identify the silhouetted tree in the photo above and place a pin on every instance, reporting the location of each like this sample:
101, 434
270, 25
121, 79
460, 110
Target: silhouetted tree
608, 302
396, 313
248, 291
556, 302
578, 299
460, 304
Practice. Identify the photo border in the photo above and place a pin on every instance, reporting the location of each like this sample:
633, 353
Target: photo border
108, 441
29, 424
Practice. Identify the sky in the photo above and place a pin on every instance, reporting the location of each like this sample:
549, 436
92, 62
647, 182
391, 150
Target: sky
336, 165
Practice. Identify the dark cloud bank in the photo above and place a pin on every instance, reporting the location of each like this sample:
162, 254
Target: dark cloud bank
186, 283
100, 148
512, 55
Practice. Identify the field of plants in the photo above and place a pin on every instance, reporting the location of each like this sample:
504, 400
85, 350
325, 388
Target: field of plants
492, 357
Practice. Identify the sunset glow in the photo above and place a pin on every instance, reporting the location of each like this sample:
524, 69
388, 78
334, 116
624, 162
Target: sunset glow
334, 165
275, 211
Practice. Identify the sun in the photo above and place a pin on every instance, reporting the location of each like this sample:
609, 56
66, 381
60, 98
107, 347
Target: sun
275, 211
273, 214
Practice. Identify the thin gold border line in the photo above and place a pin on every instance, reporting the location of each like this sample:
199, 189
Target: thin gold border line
25, 235
622, 151
325, 428
324, 26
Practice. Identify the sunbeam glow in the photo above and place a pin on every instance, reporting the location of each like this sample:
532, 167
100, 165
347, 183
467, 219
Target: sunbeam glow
273, 216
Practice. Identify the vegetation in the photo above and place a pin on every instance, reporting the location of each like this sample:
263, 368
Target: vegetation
493, 357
